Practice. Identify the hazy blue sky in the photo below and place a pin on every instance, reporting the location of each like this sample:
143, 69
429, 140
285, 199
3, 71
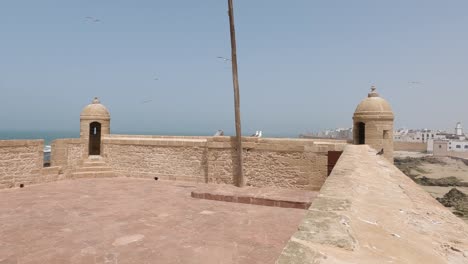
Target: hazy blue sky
303, 65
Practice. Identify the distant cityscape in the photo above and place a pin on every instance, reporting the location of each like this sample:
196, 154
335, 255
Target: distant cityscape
337, 133
455, 140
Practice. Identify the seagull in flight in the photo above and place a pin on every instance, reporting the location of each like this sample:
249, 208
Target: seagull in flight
223, 58
93, 19
146, 101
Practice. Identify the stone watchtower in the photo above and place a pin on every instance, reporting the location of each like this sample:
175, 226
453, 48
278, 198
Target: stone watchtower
373, 124
94, 123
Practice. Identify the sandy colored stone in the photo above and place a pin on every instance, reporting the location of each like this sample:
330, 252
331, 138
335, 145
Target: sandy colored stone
370, 212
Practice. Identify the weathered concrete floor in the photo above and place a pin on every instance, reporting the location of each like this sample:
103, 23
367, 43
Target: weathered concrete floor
123, 220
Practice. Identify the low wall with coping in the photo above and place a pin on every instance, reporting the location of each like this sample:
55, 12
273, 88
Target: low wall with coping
455, 154
67, 153
409, 146
285, 163
368, 211
165, 158
21, 162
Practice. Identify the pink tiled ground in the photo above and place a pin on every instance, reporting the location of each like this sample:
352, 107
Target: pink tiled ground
123, 220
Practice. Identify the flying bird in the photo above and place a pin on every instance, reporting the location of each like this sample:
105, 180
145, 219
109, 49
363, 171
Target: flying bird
381, 152
223, 58
93, 19
146, 101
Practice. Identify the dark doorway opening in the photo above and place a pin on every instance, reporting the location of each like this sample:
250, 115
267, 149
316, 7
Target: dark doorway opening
95, 138
333, 157
361, 133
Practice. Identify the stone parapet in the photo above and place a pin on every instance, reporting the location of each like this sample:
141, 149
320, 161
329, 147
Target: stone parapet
268, 162
284, 163
368, 211
21, 164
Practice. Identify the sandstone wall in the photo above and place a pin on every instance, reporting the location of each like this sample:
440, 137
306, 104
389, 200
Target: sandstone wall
67, 154
409, 146
21, 162
368, 211
285, 163
166, 158
461, 155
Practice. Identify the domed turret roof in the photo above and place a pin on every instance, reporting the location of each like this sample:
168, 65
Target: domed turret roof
374, 107
95, 110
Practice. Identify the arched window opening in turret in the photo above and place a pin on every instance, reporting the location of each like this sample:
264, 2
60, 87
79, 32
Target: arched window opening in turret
95, 138
361, 133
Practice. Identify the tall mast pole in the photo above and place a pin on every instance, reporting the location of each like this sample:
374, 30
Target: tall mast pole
240, 172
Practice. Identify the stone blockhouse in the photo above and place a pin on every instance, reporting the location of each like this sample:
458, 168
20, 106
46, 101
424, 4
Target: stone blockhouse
94, 124
373, 124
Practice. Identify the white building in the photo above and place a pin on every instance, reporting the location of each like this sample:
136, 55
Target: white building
457, 142
418, 136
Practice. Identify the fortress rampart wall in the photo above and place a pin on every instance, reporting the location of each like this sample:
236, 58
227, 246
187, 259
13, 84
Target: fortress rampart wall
285, 163
21, 162
368, 211
268, 162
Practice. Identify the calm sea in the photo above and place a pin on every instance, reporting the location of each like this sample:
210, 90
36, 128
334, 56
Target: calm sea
48, 136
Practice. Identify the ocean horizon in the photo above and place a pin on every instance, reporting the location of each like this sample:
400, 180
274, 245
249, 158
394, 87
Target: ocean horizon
49, 136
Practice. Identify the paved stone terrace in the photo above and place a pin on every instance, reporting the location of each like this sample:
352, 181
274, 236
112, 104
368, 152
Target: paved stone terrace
123, 220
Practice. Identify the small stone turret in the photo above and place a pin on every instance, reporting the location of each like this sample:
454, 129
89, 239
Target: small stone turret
94, 123
373, 124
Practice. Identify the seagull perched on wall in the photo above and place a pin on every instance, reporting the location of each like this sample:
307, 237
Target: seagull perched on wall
381, 152
219, 133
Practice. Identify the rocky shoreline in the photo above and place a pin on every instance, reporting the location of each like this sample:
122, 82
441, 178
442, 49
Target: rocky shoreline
431, 172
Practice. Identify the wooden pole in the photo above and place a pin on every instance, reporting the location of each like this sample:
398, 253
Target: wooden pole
240, 172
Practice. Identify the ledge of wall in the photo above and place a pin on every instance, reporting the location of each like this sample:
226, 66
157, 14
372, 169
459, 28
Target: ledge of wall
460, 155
370, 212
